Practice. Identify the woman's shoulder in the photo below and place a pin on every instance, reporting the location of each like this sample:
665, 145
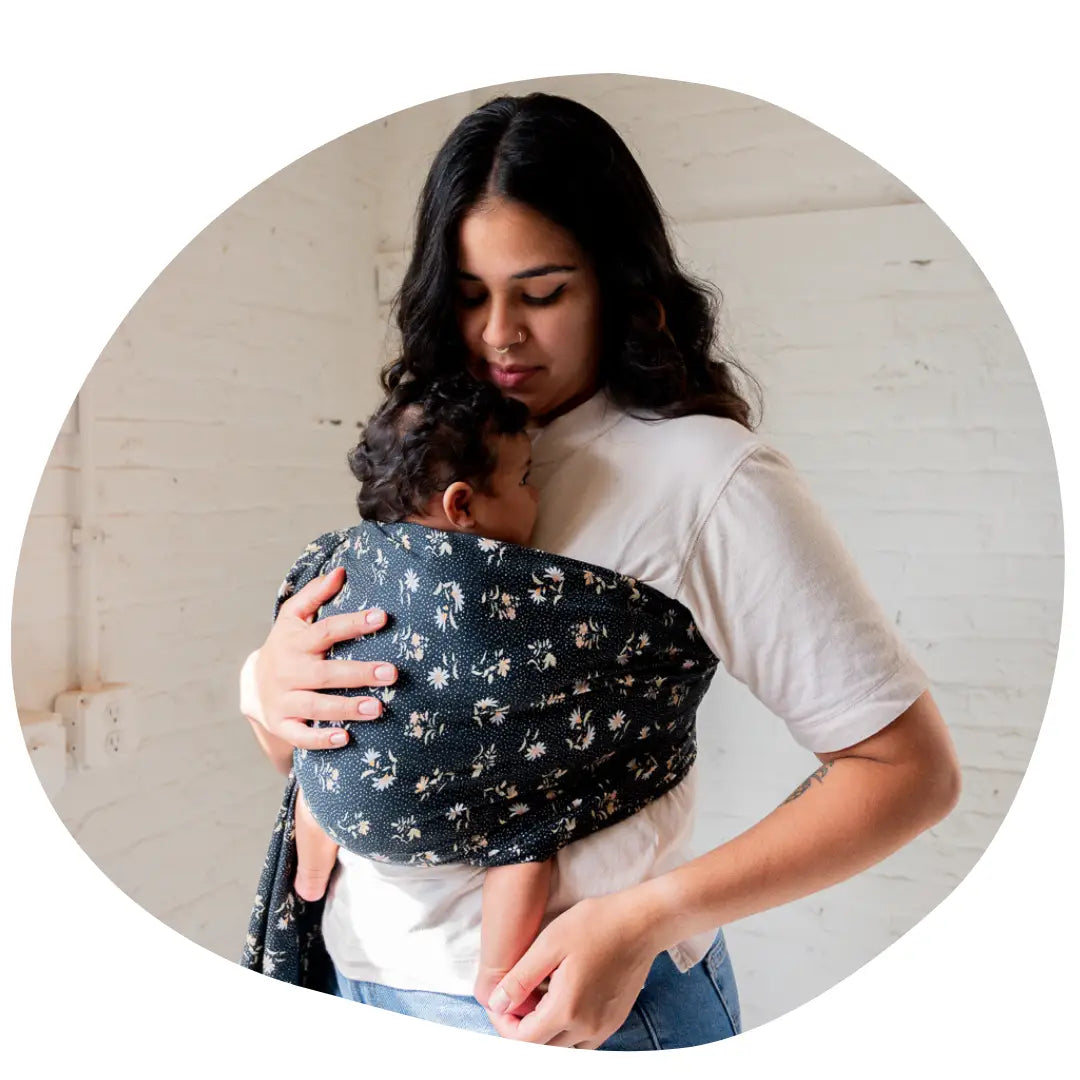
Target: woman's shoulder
721, 443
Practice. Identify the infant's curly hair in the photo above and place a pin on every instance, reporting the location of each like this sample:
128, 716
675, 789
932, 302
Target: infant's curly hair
425, 436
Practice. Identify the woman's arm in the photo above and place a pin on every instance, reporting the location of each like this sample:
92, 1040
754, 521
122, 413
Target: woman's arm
279, 683
277, 750
863, 804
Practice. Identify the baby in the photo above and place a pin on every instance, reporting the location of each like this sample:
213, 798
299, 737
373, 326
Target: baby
452, 456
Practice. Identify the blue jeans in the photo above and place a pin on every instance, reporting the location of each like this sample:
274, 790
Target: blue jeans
673, 1009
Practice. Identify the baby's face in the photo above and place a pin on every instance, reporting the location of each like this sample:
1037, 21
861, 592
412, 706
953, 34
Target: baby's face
508, 511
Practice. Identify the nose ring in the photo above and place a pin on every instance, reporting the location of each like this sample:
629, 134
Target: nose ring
506, 348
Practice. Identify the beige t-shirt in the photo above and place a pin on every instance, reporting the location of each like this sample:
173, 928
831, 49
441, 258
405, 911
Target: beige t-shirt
707, 513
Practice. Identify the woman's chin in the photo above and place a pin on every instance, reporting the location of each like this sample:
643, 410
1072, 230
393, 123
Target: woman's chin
531, 398
530, 392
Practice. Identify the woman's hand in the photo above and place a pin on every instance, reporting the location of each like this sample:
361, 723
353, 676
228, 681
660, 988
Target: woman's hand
867, 801
487, 979
280, 682
597, 955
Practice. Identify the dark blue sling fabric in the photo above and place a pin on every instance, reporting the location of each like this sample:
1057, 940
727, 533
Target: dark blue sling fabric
539, 699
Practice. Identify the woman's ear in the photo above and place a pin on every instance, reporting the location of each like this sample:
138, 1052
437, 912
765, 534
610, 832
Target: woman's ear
457, 505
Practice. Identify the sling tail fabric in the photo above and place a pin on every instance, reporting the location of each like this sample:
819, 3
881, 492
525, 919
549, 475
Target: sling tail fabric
539, 699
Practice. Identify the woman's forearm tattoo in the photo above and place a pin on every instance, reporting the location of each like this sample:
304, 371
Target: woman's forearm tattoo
817, 774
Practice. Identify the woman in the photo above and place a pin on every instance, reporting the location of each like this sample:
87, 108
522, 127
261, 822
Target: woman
541, 262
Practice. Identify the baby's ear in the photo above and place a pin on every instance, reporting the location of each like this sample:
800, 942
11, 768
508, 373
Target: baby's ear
457, 505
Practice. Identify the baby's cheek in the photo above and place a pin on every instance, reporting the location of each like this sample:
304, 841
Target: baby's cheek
531, 513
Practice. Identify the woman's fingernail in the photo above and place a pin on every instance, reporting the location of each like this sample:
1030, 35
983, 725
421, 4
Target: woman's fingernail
373, 618
499, 1001
368, 707
384, 673
339, 738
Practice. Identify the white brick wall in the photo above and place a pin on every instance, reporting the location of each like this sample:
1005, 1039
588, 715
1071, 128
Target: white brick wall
225, 404
892, 379
896, 385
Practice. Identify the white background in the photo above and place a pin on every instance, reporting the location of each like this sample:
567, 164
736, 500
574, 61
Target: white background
129, 132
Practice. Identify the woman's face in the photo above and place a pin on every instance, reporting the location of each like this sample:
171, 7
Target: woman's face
523, 282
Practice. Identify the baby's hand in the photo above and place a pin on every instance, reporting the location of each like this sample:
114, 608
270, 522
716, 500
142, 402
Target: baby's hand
316, 854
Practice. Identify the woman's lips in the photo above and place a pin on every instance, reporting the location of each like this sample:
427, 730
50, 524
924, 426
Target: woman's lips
510, 376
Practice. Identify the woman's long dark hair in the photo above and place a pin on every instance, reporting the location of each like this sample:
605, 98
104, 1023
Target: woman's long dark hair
659, 352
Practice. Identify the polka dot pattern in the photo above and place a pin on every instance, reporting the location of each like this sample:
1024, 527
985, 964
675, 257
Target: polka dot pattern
539, 699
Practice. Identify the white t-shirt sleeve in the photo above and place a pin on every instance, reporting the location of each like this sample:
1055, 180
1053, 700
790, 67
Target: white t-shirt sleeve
781, 603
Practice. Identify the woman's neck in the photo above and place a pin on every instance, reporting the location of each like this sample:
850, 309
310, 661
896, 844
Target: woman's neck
568, 405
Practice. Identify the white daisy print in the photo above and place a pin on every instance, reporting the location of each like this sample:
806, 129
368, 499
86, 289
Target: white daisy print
405, 830
489, 710
542, 657
439, 678
359, 826
328, 778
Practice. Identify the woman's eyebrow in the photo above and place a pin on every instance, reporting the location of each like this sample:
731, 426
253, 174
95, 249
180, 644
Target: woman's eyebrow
541, 271
535, 271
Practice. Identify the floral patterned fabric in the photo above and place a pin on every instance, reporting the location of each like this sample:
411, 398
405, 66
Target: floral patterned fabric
538, 700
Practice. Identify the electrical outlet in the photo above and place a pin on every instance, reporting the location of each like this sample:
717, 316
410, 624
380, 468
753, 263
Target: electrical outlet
100, 724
